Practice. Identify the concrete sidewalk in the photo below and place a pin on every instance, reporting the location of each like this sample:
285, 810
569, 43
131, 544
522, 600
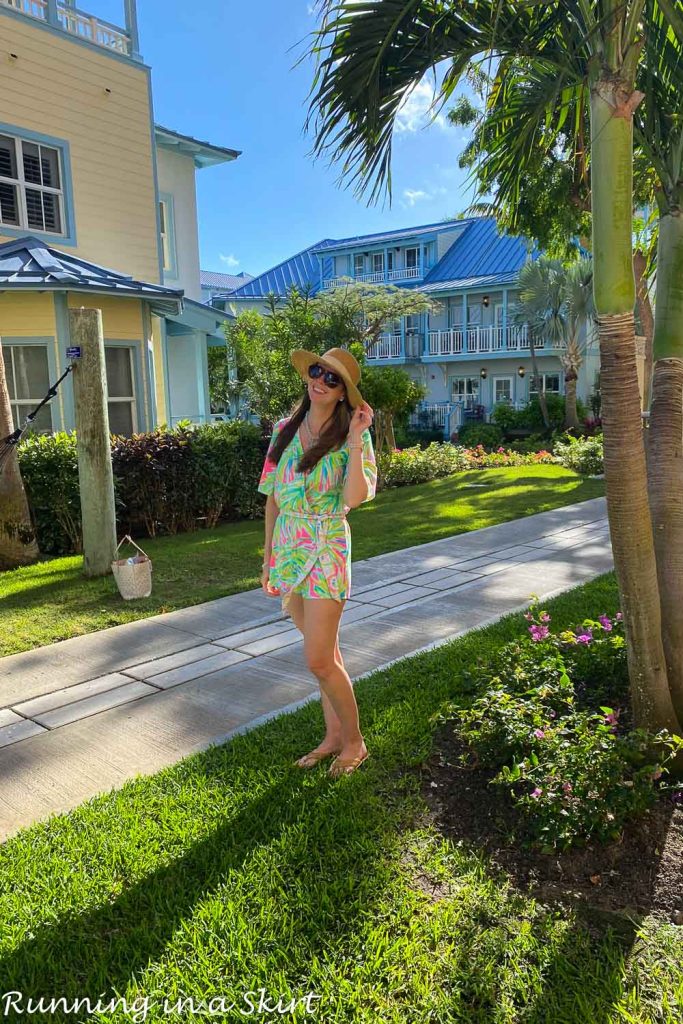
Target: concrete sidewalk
82, 716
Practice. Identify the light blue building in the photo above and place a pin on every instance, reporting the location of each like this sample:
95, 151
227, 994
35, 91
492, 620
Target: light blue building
469, 354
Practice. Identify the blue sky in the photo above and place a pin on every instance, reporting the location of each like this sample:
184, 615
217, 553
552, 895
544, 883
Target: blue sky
223, 71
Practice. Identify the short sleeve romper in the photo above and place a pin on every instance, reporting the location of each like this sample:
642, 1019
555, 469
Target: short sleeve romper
311, 544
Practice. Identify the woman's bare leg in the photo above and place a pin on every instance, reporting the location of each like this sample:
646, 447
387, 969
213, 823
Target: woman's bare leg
332, 740
321, 626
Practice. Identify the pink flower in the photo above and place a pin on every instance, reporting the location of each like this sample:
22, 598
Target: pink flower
611, 718
545, 617
528, 616
584, 638
605, 622
656, 774
538, 633
618, 617
536, 793
567, 787
551, 714
539, 734
501, 449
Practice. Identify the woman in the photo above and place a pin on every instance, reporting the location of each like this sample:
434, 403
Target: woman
320, 463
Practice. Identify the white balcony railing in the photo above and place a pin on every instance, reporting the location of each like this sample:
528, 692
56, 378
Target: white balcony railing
477, 340
76, 23
377, 277
387, 347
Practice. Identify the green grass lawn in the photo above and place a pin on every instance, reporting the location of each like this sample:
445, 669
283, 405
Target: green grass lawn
53, 600
234, 871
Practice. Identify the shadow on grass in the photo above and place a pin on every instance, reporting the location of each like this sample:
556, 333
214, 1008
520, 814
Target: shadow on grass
323, 854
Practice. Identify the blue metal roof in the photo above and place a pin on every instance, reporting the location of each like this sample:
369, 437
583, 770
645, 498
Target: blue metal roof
482, 254
387, 236
302, 270
224, 282
29, 264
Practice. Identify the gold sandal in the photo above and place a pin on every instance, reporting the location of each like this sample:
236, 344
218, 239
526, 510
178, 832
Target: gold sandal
312, 759
345, 766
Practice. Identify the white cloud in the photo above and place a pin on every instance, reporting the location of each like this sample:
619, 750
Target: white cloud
414, 195
414, 113
230, 261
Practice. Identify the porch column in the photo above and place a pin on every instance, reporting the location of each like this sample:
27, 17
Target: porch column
505, 318
52, 14
130, 7
202, 364
464, 322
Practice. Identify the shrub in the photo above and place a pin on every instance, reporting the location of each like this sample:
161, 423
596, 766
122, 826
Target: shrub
49, 468
570, 764
479, 458
417, 465
164, 481
407, 437
582, 454
487, 434
508, 418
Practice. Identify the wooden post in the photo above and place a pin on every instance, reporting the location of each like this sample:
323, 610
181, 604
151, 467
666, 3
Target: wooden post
95, 474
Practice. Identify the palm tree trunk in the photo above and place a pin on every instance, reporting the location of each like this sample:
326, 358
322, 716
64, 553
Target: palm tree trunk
665, 445
646, 320
625, 469
18, 544
571, 416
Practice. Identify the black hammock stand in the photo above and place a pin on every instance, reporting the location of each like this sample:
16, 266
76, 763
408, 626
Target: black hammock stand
9, 444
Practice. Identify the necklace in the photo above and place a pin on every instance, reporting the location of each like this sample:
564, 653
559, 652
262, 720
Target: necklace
313, 437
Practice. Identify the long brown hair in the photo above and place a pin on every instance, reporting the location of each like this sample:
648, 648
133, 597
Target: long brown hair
333, 435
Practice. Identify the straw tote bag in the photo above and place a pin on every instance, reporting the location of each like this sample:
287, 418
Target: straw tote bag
133, 575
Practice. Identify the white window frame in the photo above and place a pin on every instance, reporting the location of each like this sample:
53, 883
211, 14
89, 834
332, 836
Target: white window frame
474, 396
33, 401
503, 376
21, 185
358, 267
167, 239
415, 249
132, 399
378, 257
543, 375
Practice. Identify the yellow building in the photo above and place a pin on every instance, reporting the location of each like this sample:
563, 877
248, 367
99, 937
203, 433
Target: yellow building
97, 209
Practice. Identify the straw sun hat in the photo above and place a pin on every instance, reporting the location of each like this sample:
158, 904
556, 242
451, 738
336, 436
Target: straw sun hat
337, 359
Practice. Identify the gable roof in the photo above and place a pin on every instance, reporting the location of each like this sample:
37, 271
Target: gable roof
302, 270
29, 264
224, 282
482, 256
388, 236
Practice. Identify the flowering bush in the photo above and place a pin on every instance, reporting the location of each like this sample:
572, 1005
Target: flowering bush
582, 454
572, 764
479, 458
416, 465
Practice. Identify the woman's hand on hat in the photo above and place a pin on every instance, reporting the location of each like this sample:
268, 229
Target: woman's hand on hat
360, 420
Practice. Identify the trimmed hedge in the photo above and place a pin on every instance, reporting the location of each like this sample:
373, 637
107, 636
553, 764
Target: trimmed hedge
165, 481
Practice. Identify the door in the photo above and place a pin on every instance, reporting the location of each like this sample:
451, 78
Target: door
502, 390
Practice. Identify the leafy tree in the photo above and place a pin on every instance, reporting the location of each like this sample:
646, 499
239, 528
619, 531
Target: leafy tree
366, 309
369, 57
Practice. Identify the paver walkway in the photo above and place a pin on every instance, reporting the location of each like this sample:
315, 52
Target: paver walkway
82, 716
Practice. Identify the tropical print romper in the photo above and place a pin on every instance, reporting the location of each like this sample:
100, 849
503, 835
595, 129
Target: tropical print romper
311, 545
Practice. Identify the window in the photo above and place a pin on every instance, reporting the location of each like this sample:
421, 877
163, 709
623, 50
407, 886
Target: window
411, 258
31, 189
390, 260
455, 312
465, 389
28, 379
120, 385
358, 264
498, 314
502, 390
167, 234
551, 383
378, 262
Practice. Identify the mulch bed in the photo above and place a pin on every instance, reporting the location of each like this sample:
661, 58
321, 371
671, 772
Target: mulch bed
640, 874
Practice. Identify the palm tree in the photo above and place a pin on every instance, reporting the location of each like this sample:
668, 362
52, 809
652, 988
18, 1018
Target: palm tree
18, 544
556, 303
371, 53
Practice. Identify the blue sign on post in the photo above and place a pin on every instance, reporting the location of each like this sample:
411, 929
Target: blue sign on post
74, 352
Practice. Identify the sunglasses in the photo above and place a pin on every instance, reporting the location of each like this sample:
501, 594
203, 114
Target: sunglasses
316, 371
